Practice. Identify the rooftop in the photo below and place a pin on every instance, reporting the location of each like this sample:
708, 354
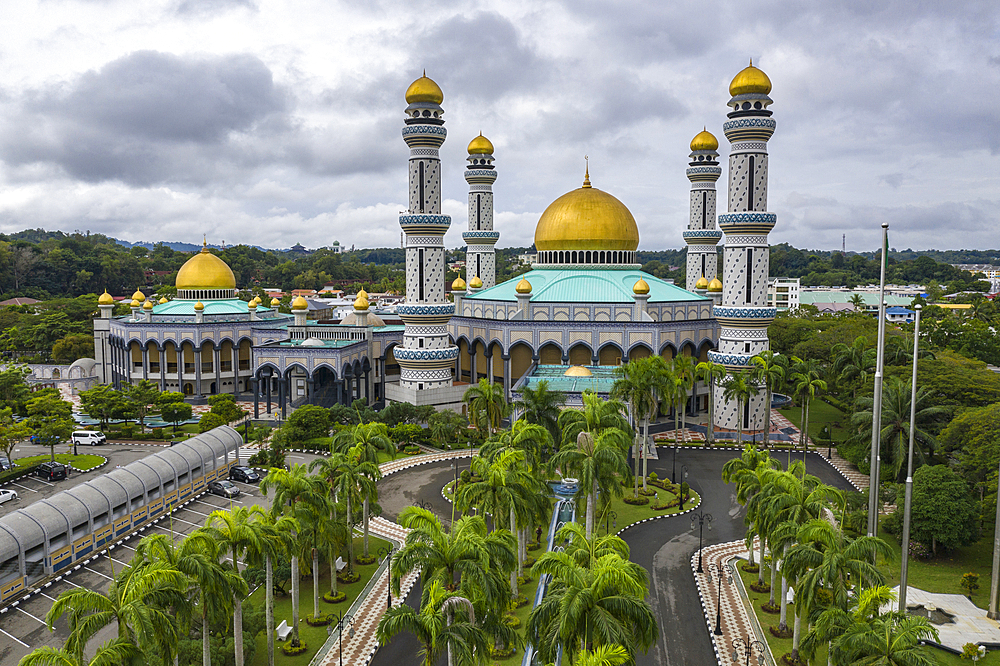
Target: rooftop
590, 285
601, 380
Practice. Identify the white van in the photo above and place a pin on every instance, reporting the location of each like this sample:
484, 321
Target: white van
91, 437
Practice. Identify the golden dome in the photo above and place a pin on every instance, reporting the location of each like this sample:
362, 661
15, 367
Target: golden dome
476, 283
148, 305
205, 271
578, 371
586, 219
300, 303
138, 296
363, 293
702, 283
361, 303
750, 80
199, 306
523, 287
257, 300
715, 285
424, 90
105, 299
252, 304
480, 146
641, 287
134, 304
704, 140
458, 284
163, 299
274, 302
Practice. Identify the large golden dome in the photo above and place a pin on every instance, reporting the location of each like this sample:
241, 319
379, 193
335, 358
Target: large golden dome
424, 90
587, 219
480, 146
750, 80
205, 271
704, 140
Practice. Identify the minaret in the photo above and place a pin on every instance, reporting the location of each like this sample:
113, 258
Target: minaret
426, 357
480, 259
102, 335
744, 316
702, 236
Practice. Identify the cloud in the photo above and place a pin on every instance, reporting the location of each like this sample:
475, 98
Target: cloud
201, 8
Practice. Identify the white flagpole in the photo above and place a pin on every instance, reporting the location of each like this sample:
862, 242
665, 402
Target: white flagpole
876, 457
909, 470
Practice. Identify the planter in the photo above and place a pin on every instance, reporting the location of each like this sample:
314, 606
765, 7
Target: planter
320, 621
365, 560
777, 633
636, 501
340, 597
290, 651
348, 578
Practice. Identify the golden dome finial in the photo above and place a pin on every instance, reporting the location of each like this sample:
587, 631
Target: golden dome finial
476, 282
750, 80
458, 284
105, 299
641, 287
702, 283
523, 287
299, 304
424, 90
715, 286
586, 175
704, 140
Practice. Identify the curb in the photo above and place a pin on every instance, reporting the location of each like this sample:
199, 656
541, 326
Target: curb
662, 516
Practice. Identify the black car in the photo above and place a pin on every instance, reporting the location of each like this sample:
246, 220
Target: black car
223, 489
51, 471
244, 475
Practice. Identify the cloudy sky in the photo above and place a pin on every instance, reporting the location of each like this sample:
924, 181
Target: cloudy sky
274, 122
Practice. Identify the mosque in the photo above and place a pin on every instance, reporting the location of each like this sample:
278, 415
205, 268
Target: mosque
584, 308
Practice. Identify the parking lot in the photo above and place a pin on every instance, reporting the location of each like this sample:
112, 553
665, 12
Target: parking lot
22, 626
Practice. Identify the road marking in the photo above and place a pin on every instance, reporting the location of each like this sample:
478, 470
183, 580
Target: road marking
15, 483
186, 521
33, 478
46, 596
98, 573
129, 547
124, 564
41, 622
67, 580
15, 638
217, 508
294, 456
199, 512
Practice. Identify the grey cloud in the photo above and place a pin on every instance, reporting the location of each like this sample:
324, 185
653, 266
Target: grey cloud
893, 180
206, 7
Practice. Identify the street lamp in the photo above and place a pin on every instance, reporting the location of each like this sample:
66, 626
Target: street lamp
673, 467
423, 504
747, 646
684, 476
613, 517
720, 572
339, 628
701, 517
387, 554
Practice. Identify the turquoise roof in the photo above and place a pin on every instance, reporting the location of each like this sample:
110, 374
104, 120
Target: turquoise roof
221, 306
602, 379
590, 285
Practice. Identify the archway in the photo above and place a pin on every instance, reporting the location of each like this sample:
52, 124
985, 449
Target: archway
610, 355
520, 361
550, 354
639, 351
580, 354
324, 387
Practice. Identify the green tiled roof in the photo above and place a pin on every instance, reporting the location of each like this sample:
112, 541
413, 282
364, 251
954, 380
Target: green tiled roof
870, 298
610, 285
222, 306
601, 382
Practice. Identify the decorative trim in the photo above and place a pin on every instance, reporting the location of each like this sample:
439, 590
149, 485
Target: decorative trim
427, 309
411, 130
402, 353
748, 218
744, 313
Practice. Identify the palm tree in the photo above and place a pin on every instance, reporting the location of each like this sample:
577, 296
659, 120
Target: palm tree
372, 438
585, 550
541, 406
599, 464
318, 532
217, 583
748, 472
112, 653
587, 607
275, 541
895, 433
740, 387
487, 405
770, 369
805, 385
355, 482
605, 655
683, 367
858, 301
710, 373
597, 417
853, 363
292, 487
640, 384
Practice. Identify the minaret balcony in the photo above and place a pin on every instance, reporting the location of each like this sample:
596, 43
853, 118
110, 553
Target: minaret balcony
702, 237
750, 222
480, 237
749, 129
428, 223
704, 173
743, 317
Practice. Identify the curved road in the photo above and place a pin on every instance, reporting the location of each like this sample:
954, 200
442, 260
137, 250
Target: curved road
664, 547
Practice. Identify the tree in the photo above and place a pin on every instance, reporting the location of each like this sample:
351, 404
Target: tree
770, 369
225, 406
683, 367
873, 638
12, 432
748, 472
353, 480
364, 442
854, 363
806, 384
974, 437
142, 395
487, 405
944, 510
446, 426
711, 373
740, 387
73, 347
641, 383
51, 418
210, 421
175, 413
541, 406
308, 422
103, 403
599, 464
14, 390
113, 653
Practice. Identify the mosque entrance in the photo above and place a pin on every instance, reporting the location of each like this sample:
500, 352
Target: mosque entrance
324, 388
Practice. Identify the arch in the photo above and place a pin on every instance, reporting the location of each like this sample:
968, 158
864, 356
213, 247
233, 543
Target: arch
610, 354
152, 350
640, 350
588, 255
688, 349
550, 354
706, 346
496, 371
520, 361
668, 351
291, 366
56, 373
581, 354
465, 359
479, 351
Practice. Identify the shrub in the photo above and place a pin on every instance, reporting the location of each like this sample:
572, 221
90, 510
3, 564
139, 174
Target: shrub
128, 431
518, 601
635, 501
970, 583
321, 621
334, 598
290, 650
652, 476
158, 433
347, 577
512, 621
362, 560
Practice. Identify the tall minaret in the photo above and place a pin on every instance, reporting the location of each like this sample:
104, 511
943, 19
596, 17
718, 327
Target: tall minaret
744, 316
702, 236
480, 259
426, 357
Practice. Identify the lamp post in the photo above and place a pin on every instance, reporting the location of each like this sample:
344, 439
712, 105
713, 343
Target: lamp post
339, 628
747, 646
673, 468
904, 567
611, 516
701, 517
387, 554
720, 572
423, 504
684, 476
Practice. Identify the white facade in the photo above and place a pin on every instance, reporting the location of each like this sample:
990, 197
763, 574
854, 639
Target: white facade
702, 235
480, 239
783, 293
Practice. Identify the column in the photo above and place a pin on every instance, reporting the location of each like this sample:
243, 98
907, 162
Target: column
236, 372
217, 360
162, 351
480, 239
197, 371
145, 362
256, 397
310, 390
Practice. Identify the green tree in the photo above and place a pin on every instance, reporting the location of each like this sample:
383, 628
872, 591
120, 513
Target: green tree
210, 421
113, 653
974, 438
599, 463
770, 369
14, 390
308, 422
748, 472
806, 384
541, 406
51, 418
487, 405
103, 403
142, 396
225, 406
873, 638
944, 510
12, 432
446, 427
711, 373
641, 383
740, 387
366, 441
73, 347
853, 364
175, 413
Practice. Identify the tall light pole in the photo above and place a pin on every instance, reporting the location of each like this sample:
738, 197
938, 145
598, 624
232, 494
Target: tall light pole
720, 571
701, 517
876, 457
387, 554
909, 469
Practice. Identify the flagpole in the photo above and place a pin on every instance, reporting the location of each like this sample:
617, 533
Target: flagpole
876, 454
909, 469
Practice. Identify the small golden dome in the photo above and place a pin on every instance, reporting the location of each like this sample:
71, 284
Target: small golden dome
252, 304
163, 299
299, 303
578, 371
750, 80
458, 284
361, 303
205, 271
715, 285
257, 300
702, 283
523, 287
138, 296
105, 299
199, 306
704, 140
476, 283
587, 219
363, 293
480, 146
274, 302
134, 304
424, 90
148, 305
641, 287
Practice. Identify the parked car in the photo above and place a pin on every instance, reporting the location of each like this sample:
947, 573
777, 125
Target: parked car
7, 495
223, 489
51, 471
244, 475
91, 437
5, 464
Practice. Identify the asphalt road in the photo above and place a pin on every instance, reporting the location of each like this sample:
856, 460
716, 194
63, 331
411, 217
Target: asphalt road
663, 547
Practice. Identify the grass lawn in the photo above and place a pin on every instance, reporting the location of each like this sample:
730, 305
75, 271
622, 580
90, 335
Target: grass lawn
314, 637
629, 514
84, 461
820, 414
528, 590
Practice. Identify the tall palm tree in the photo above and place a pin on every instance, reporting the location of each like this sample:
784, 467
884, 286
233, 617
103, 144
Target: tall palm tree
598, 417
749, 473
372, 438
605, 655
112, 653
487, 405
853, 363
770, 369
806, 385
683, 367
640, 384
599, 464
275, 542
318, 532
355, 482
541, 406
711, 373
217, 583
740, 387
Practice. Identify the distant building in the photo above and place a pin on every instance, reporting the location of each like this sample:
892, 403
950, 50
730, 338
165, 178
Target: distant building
20, 300
783, 293
991, 271
527, 258
899, 315
336, 248
839, 300
298, 250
